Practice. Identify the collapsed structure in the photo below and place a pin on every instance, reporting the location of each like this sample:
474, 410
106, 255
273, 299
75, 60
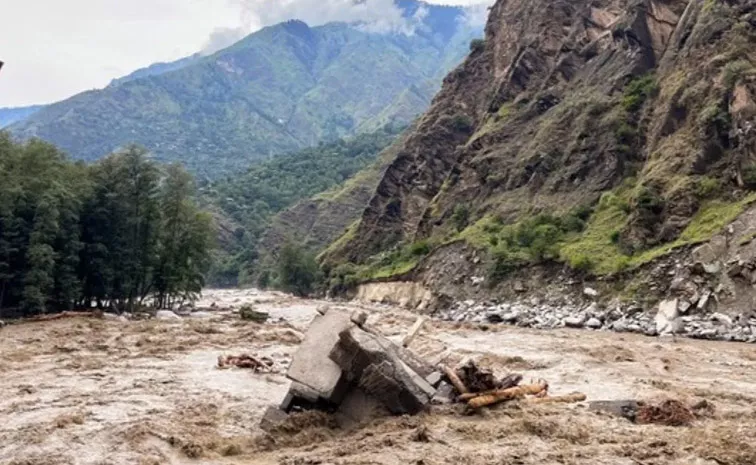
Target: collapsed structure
345, 368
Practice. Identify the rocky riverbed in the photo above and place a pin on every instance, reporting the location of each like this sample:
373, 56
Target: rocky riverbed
592, 316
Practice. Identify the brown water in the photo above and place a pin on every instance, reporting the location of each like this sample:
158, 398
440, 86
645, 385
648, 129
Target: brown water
88, 391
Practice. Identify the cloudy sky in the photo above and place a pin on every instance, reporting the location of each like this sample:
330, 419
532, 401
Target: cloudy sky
53, 49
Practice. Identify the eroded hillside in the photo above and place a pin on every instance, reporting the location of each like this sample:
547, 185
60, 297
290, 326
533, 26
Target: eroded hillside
593, 136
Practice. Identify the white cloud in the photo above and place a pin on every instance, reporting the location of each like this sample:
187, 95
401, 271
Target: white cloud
53, 49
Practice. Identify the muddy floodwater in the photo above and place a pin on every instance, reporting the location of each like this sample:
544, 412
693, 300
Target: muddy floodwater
104, 391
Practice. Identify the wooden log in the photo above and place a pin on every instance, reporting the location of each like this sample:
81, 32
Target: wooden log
456, 382
508, 394
568, 399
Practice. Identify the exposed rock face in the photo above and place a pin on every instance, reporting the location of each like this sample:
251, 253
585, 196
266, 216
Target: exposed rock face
566, 102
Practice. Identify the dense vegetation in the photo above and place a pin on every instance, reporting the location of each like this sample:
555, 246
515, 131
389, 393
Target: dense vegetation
252, 198
283, 88
120, 233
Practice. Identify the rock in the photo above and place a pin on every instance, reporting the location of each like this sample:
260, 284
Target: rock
666, 316
575, 321
519, 286
511, 317
201, 315
359, 318
590, 292
683, 306
166, 315
444, 394
722, 319
621, 408
477, 280
594, 323
311, 364
434, 379
704, 301
107, 316
2, 324
494, 318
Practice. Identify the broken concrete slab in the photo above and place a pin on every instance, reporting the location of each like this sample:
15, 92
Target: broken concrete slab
311, 365
377, 366
414, 331
359, 407
272, 418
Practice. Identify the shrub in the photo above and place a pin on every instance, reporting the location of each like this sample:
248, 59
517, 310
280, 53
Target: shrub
749, 177
460, 217
477, 45
581, 262
504, 262
615, 237
707, 187
733, 71
462, 123
637, 92
420, 248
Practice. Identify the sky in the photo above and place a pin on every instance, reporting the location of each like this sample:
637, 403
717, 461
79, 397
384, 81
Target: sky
53, 49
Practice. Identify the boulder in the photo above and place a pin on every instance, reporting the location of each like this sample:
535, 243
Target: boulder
590, 292
722, 319
667, 316
621, 408
575, 321
593, 323
166, 315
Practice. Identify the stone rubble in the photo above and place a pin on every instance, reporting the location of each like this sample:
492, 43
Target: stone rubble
695, 324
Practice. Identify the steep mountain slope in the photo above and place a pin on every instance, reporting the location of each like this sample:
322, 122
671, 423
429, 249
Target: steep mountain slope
596, 134
283, 88
9, 116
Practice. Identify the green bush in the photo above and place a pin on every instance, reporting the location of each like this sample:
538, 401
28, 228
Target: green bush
637, 92
477, 45
749, 177
581, 262
462, 123
460, 217
707, 187
420, 248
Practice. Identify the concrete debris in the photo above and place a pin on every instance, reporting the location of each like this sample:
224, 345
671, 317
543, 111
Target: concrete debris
356, 374
414, 331
345, 368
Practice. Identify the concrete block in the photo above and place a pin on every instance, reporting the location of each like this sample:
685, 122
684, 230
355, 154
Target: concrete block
272, 418
311, 365
434, 379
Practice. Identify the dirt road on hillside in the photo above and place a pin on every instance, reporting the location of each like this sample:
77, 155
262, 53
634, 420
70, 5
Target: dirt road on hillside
101, 391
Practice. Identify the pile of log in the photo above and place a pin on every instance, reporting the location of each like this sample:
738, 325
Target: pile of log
480, 388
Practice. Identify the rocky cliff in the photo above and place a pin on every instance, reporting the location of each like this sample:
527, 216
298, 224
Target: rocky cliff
580, 139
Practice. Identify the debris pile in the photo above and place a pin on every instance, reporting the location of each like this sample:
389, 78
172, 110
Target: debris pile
480, 388
258, 364
345, 368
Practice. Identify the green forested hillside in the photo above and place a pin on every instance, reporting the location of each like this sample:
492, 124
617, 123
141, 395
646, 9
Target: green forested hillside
118, 233
249, 200
281, 89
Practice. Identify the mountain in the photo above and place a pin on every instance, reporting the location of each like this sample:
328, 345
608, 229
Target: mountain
156, 69
9, 116
283, 88
245, 204
607, 142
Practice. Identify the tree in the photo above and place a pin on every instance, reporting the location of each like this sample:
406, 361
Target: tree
298, 271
